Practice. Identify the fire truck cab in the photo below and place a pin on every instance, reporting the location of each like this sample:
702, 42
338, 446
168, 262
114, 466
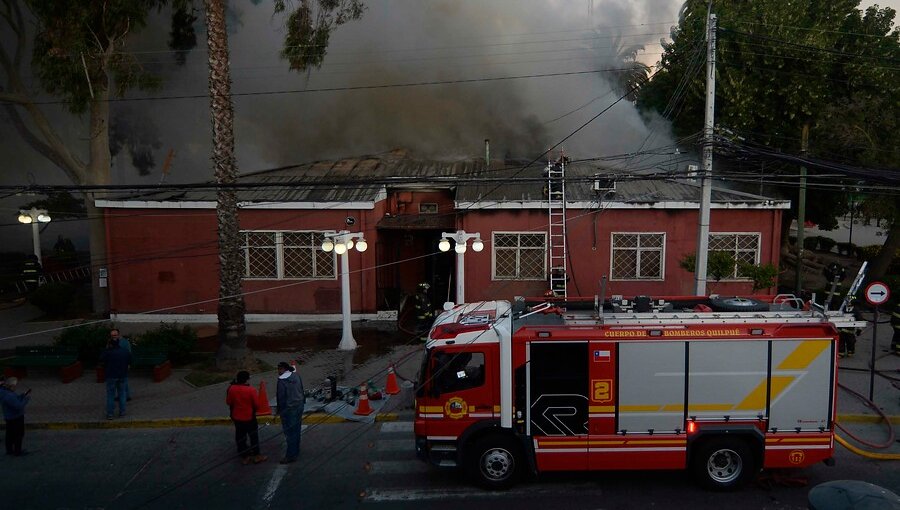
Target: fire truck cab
506, 389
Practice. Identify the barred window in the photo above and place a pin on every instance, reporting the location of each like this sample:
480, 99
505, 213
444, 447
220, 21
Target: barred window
743, 247
287, 255
519, 256
638, 256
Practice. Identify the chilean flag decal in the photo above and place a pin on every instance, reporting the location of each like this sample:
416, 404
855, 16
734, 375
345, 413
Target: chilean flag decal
601, 356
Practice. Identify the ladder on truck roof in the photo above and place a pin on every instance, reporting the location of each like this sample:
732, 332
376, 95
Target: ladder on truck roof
556, 229
839, 319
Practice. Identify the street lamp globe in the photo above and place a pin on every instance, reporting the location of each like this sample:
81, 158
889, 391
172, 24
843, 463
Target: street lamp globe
340, 248
444, 245
327, 245
477, 245
43, 218
349, 244
460, 247
25, 218
362, 245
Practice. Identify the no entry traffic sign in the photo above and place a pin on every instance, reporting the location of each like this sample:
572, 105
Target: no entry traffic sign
877, 293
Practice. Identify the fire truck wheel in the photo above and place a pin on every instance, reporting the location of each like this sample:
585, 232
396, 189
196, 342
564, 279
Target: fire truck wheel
495, 462
738, 304
723, 463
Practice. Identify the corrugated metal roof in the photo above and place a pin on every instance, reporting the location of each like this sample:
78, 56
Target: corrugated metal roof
362, 180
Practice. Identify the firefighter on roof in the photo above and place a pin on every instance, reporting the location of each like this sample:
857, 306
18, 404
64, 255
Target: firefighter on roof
424, 310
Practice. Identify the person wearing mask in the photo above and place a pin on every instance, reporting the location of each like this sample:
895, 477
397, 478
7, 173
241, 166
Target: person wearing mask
115, 361
290, 400
14, 413
243, 401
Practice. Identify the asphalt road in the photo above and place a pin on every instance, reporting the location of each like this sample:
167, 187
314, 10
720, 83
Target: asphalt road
342, 466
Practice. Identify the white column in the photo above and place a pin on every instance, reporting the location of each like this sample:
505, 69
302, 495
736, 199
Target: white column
347, 340
460, 277
36, 239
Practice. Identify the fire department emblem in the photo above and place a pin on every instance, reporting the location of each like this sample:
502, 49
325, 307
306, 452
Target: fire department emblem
796, 456
456, 408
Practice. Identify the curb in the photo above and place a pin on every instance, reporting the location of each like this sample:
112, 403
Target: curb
866, 418
310, 419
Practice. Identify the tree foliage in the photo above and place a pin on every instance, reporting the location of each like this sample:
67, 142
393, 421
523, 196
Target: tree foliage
309, 28
782, 65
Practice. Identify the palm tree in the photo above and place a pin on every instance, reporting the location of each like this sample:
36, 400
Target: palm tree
233, 352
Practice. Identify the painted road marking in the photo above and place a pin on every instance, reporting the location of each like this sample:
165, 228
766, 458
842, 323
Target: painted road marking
393, 467
420, 494
272, 486
397, 426
396, 445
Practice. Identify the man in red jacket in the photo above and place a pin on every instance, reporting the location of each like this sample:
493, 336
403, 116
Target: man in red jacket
244, 401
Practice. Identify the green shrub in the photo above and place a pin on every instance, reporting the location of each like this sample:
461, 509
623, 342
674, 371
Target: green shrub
90, 340
177, 341
719, 264
763, 276
53, 298
810, 243
867, 252
826, 243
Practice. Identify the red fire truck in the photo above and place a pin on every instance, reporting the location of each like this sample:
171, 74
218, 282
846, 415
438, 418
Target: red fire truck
721, 386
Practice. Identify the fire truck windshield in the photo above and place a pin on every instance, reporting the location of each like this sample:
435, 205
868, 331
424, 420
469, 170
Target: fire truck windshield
447, 372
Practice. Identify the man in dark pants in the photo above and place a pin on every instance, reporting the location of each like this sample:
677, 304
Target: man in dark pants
115, 361
14, 413
290, 398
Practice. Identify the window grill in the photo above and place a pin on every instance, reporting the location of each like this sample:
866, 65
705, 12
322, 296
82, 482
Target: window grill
520, 256
638, 256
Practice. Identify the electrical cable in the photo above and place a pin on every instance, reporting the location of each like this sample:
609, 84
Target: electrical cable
884, 417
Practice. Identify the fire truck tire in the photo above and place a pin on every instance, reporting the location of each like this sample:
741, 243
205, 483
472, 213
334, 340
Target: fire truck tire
723, 463
495, 462
738, 304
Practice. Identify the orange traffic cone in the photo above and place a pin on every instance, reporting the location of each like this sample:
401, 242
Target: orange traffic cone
391, 387
263, 407
363, 408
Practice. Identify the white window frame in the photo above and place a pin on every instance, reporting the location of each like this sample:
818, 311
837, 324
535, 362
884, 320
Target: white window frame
757, 256
279, 255
494, 276
662, 257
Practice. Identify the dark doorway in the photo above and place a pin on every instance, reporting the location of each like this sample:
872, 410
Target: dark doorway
407, 258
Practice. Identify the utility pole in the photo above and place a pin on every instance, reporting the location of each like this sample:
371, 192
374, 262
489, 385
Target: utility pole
706, 176
801, 208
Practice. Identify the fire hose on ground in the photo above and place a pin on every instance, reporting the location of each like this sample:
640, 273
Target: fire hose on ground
859, 451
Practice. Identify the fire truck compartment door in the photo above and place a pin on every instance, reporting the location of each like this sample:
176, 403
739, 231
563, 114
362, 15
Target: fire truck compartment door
727, 379
651, 386
801, 385
558, 404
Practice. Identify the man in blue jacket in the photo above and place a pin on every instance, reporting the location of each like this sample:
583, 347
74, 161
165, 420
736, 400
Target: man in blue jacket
14, 413
115, 362
290, 398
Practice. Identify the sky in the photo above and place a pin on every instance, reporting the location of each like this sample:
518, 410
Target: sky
280, 118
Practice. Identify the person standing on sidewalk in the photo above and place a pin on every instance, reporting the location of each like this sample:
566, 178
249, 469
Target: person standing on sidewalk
125, 344
14, 413
115, 361
244, 401
290, 400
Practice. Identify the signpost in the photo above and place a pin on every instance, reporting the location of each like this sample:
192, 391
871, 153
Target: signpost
877, 293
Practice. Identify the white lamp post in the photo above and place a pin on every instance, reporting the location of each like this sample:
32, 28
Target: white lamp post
35, 217
460, 237
341, 242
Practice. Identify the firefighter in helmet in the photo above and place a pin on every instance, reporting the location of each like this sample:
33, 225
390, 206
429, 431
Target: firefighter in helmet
847, 336
424, 310
895, 323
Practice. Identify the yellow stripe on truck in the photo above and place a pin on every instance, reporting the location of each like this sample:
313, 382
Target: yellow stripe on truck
804, 354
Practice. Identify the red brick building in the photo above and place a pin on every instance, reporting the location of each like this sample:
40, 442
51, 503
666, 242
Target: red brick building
163, 256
